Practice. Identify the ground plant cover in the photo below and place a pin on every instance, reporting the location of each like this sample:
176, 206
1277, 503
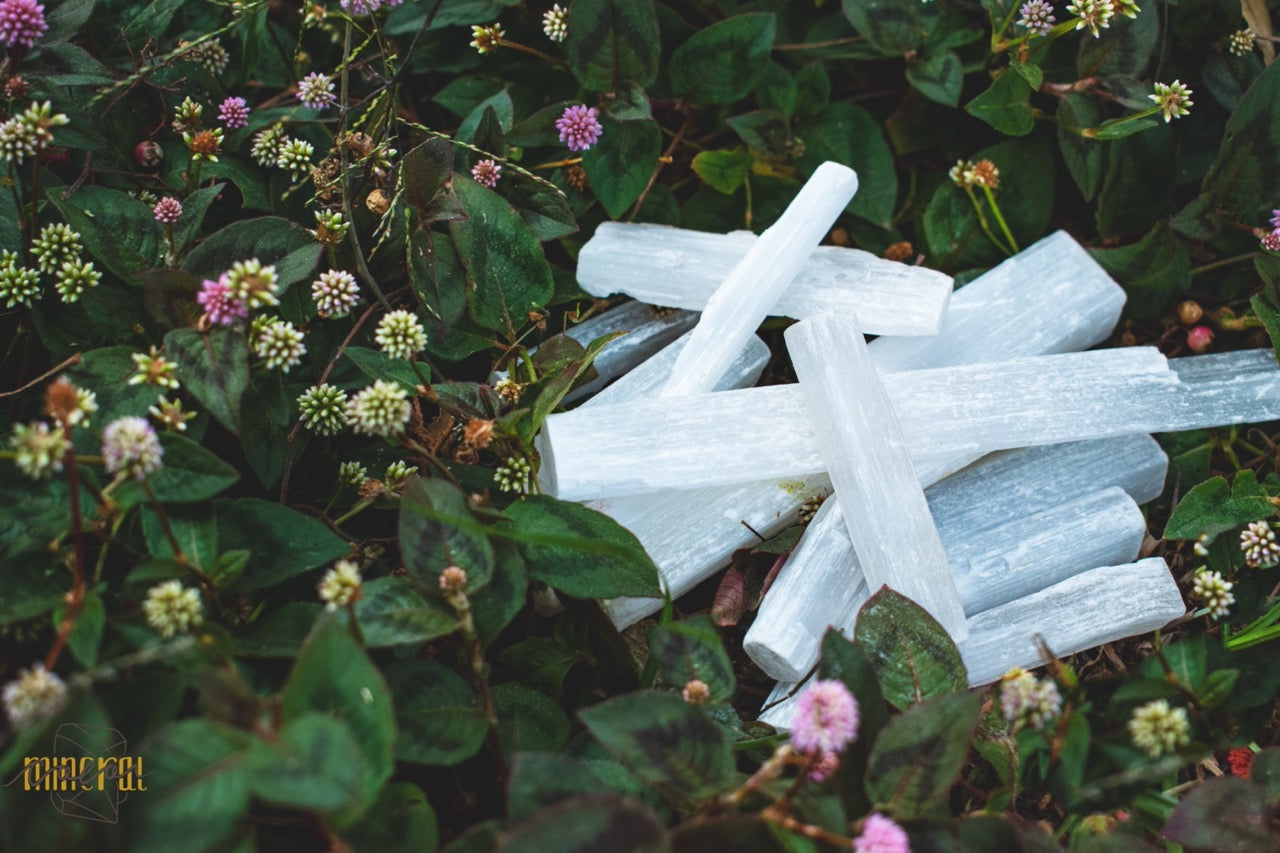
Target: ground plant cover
283, 294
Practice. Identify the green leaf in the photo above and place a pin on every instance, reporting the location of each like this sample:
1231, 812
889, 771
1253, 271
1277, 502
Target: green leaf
1242, 180
1125, 47
377, 365
919, 754
844, 660
723, 62
194, 208
620, 164
116, 229
1006, 105
438, 716
542, 205
850, 135
1265, 771
764, 130
400, 821
504, 596
580, 551
528, 721
1136, 192
281, 633
723, 171
86, 632
214, 368
1217, 687
542, 662
333, 674
1186, 660
612, 40
1083, 157
195, 527
892, 26
600, 822
273, 240
283, 541
437, 530
65, 19
1269, 314
1222, 814
939, 78
692, 648
630, 103
436, 276
539, 780
663, 739
427, 167
197, 787
314, 763
190, 474
913, 655
1214, 506
507, 274
1153, 271
392, 611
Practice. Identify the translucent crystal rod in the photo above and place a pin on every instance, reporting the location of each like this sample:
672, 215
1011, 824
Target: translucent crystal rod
866, 455
1080, 613
671, 266
755, 283
764, 433
647, 330
647, 378
1011, 524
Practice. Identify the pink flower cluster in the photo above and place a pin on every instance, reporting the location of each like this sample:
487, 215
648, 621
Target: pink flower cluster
579, 127
881, 835
826, 718
1271, 240
220, 307
366, 7
21, 22
233, 113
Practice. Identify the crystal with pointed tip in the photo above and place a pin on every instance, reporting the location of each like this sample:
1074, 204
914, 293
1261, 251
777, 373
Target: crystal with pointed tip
751, 289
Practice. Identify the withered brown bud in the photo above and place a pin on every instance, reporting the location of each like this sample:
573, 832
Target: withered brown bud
60, 401
1189, 312
453, 579
985, 174
16, 88
205, 143
378, 202
839, 236
900, 251
359, 144
478, 432
577, 177
696, 692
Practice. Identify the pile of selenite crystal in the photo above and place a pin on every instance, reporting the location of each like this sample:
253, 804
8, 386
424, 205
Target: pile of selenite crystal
977, 459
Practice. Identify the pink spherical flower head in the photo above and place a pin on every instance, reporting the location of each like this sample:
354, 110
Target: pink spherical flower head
1275, 218
233, 113
219, 305
486, 172
167, 210
822, 769
579, 128
881, 835
826, 718
21, 22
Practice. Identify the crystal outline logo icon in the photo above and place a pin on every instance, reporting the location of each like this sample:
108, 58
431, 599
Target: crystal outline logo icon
89, 774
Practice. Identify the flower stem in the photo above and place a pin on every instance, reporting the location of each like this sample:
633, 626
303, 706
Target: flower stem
1004, 226
982, 220
75, 599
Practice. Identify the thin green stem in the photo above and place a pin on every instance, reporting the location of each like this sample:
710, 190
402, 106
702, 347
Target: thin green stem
1004, 226
982, 220
1225, 262
360, 506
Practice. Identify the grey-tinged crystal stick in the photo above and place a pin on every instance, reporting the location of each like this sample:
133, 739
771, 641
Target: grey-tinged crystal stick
1084, 611
1080, 613
866, 456
664, 265
648, 378
752, 287
1052, 297
1032, 516
765, 433
647, 329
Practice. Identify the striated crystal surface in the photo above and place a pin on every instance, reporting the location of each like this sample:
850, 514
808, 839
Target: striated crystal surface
664, 265
1082, 612
765, 433
1028, 517
647, 378
751, 289
867, 459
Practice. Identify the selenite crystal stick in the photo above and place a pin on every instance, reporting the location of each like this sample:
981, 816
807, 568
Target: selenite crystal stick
1068, 302
752, 288
648, 378
763, 433
866, 457
1032, 516
664, 265
647, 329
1080, 613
